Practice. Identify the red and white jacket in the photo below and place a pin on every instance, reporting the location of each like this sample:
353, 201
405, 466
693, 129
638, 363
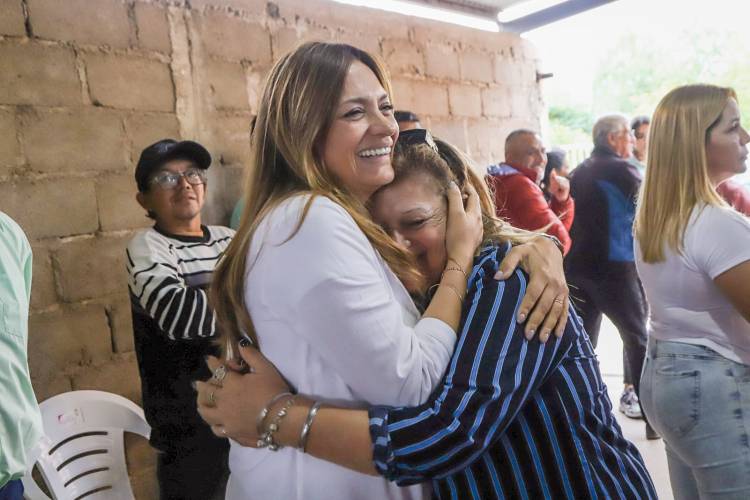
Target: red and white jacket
520, 201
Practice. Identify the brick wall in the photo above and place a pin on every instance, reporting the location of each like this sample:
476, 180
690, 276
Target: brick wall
83, 90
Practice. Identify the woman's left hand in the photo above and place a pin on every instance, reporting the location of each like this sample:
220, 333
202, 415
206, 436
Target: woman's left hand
231, 405
464, 227
547, 292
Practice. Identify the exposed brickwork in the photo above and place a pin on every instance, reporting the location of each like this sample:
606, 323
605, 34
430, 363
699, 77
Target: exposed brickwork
115, 199
476, 66
121, 322
370, 42
74, 140
428, 98
441, 61
403, 57
9, 144
451, 130
51, 208
128, 82
65, 340
78, 21
509, 73
231, 137
226, 85
144, 129
37, 74
283, 40
234, 38
152, 28
496, 102
46, 388
90, 267
115, 375
43, 292
83, 90
253, 7
465, 100
11, 18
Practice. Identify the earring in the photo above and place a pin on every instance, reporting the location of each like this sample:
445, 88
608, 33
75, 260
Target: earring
407, 243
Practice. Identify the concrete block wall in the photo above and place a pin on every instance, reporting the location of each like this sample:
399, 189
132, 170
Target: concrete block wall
86, 84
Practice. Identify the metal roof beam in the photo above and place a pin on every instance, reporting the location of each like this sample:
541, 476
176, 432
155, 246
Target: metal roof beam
551, 14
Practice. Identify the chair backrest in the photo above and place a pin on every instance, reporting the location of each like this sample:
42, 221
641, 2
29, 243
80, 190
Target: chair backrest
82, 455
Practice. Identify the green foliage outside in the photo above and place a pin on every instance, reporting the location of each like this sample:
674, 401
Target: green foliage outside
570, 125
639, 70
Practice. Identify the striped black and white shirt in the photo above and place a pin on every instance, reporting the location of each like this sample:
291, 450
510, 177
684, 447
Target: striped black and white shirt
173, 326
513, 418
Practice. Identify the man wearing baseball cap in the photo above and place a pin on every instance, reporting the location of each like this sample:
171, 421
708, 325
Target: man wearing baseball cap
169, 271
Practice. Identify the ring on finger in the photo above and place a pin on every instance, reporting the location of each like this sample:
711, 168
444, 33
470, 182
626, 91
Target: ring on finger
219, 374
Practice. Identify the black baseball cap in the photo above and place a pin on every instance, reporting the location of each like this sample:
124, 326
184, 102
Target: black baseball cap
157, 154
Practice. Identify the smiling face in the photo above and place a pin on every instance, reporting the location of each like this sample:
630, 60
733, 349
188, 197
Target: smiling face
413, 211
358, 144
527, 151
174, 207
726, 150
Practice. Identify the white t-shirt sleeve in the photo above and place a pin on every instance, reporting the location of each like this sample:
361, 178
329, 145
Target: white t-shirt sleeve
346, 309
719, 240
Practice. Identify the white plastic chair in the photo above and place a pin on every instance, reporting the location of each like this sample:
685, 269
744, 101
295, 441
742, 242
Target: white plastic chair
82, 455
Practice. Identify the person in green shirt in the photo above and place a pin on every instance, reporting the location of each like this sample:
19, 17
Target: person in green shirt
20, 420
234, 221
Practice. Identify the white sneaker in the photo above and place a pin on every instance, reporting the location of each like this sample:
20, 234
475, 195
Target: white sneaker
629, 404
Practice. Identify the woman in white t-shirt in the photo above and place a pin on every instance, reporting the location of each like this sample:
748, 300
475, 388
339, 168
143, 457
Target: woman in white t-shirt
693, 257
318, 285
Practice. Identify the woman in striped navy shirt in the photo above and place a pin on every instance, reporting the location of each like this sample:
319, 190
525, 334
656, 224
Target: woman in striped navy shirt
514, 418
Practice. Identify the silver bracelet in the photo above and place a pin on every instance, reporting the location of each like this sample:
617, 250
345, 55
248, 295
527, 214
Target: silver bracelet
264, 412
555, 240
302, 445
266, 439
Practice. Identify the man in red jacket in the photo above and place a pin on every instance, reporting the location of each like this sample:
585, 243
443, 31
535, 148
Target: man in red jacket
518, 197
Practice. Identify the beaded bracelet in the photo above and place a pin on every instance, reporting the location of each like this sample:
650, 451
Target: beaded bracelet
455, 267
266, 439
264, 412
302, 445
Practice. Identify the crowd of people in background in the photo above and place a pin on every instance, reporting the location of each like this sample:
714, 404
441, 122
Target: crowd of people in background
416, 333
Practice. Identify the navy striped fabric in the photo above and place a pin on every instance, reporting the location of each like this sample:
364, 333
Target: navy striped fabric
513, 419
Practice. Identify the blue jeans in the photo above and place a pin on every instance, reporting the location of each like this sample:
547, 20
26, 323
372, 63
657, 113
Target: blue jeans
699, 402
12, 490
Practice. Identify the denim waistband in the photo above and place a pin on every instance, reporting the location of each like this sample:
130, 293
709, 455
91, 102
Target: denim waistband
665, 348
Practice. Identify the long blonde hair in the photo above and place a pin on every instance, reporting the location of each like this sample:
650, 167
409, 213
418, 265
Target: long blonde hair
296, 110
677, 176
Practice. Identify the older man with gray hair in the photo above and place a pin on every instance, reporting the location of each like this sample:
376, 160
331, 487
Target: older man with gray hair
600, 266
